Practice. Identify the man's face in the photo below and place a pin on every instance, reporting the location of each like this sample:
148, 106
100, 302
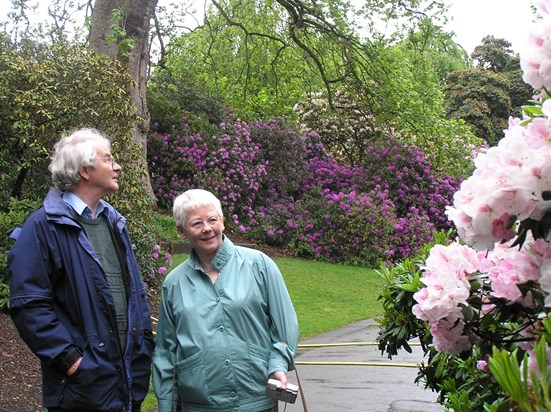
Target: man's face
103, 176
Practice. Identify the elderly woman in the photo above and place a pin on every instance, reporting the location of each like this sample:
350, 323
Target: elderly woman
226, 322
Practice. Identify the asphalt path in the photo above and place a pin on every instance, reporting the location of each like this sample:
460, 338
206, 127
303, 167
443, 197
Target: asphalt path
383, 386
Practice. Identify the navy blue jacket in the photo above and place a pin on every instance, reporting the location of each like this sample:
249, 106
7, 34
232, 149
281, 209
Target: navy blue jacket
62, 307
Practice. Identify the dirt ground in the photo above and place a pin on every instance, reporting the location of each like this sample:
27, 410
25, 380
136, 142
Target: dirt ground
19, 371
20, 379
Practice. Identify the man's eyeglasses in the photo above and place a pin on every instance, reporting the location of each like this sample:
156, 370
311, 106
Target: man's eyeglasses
200, 224
109, 159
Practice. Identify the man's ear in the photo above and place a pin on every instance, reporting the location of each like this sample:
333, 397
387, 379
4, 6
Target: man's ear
83, 171
180, 230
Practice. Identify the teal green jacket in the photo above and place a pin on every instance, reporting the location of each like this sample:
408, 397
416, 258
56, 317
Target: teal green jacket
217, 344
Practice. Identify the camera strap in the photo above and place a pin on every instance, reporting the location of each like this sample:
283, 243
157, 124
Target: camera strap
302, 398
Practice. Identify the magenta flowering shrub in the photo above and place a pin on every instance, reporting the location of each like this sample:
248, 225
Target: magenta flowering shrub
174, 159
163, 260
227, 163
286, 154
406, 173
282, 188
352, 228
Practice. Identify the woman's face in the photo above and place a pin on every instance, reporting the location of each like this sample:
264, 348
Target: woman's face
203, 229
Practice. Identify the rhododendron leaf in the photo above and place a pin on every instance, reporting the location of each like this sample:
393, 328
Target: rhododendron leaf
532, 110
506, 370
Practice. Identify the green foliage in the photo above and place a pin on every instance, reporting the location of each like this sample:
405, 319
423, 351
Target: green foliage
497, 56
485, 97
461, 384
493, 54
438, 47
481, 98
124, 43
527, 385
169, 96
16, 212
165, 227
246, 60
43, 96
401, 281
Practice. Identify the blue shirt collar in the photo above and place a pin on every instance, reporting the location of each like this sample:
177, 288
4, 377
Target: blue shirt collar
80, 207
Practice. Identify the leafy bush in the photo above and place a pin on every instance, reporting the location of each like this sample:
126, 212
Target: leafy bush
405, 172
16, 214
45, 95
165, 227
348, 228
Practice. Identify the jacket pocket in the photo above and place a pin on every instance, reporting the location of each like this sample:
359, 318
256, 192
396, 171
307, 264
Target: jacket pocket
192, 380
257, 368
95, 385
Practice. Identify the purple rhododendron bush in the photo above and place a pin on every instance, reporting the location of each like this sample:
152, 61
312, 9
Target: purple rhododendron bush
479, 304
282, 188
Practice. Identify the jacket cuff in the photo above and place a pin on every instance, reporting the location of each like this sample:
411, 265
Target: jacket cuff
67, 360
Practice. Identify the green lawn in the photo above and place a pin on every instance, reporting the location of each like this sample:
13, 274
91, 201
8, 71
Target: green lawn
326, 296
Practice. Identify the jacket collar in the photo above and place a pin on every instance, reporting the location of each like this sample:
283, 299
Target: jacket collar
221, 258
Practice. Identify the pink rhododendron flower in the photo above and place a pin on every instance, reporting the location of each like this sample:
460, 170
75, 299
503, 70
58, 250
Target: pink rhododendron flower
545, 281
482, 365
447, 271
448, 338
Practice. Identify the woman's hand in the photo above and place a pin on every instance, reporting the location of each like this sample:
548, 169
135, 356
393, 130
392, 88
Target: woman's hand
280, 376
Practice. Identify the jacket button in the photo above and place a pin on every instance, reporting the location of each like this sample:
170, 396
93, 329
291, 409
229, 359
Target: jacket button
221, 328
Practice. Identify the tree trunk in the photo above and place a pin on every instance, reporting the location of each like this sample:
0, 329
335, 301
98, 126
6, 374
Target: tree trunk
135, 21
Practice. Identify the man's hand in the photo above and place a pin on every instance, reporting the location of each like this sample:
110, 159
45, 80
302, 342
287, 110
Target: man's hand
74, 367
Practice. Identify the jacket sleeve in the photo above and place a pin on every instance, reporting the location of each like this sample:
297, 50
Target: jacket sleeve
164, 356
32, 267
284, 329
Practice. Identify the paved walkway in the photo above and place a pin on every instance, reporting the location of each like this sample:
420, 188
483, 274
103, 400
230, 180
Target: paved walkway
359, 388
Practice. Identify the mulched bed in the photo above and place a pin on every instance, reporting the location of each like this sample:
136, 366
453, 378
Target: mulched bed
19, 371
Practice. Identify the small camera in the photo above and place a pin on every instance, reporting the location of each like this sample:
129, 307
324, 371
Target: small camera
289, 394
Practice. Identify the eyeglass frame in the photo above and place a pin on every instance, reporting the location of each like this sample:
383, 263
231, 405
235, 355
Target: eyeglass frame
193, 225
110, 159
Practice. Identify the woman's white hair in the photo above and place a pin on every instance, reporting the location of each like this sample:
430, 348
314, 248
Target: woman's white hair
73, 151
192, 199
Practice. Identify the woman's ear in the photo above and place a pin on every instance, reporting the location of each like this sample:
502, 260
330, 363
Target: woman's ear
180, 230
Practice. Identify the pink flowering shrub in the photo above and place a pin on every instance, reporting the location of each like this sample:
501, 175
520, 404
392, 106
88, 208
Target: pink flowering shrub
163, 260
484, 299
